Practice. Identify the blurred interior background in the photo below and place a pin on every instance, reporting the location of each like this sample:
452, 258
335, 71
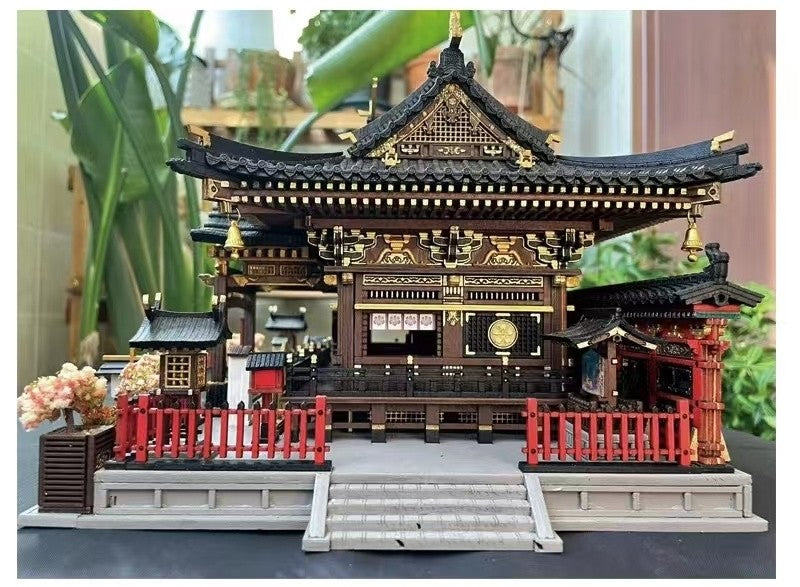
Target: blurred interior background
607, 82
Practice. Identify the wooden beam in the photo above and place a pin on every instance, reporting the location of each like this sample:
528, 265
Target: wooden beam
416, 224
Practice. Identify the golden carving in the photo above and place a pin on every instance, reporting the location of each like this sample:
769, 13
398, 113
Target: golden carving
452, 250
502, 334
403, 280
396, 253
717, 141
330, 279
503, 255
340, 246
455, 24
573, 280
558, 249
481, 281
347, 278
453, 317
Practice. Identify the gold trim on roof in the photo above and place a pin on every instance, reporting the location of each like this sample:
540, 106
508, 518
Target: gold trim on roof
455, 24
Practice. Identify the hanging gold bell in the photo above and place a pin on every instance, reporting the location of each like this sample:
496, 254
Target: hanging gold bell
234, 242
692, 243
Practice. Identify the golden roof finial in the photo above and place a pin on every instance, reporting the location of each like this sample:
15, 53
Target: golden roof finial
455, 24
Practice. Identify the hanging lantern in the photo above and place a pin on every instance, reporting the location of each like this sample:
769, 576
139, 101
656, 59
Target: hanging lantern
234, 242
692, 243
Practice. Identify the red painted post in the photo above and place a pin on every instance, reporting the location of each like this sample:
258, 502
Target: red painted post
547, 438
303, 444
175, 444
159, 448
670, 423
683, 439
639, 436
239, 451
121, 448
655, 436
593, 436
623, 436
608, 437
191, 433
256, 443
532, 431
223, 432
320, 414
577, 437
287, 434
208, 432
562, 436
272, 420
142, 414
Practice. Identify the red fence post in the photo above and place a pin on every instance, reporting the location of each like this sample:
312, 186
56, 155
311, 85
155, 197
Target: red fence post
121, 448
208, 431
320, 409
532, 431
142, 415
683, 437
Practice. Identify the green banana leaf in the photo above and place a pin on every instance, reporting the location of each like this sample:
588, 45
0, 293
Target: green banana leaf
386, 41
140, 27
92, 142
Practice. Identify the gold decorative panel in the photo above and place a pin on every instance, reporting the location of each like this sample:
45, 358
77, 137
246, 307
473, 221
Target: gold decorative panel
503, 334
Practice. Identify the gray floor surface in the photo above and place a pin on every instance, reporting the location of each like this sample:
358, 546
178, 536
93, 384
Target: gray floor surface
67, 553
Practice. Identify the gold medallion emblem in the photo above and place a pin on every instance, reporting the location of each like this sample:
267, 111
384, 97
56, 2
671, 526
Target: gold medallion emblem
502, 333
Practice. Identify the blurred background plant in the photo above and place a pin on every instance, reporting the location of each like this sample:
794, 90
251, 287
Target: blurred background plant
749, 364
139, 218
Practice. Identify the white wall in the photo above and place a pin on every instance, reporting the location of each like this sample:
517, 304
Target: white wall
598, 96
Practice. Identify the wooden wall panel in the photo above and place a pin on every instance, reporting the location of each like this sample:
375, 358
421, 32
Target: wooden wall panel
698, 74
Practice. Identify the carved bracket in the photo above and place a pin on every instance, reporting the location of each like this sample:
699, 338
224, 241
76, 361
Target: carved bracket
342, 247
453, 249
558, 249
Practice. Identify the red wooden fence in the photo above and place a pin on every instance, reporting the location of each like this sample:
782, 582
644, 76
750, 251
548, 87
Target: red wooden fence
189, 432
607, 436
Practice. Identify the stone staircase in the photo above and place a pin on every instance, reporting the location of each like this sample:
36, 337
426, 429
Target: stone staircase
431, 516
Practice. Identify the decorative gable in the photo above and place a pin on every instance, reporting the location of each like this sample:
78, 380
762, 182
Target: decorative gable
451, 127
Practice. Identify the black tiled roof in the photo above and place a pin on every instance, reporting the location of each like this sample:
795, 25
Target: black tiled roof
591, 330
257, 361
189, 330
286, 322
112, 367
707, 286
254, 234
682, 166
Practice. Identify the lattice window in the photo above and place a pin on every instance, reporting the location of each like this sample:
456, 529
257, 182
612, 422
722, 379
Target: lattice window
405, 417
402, 294
516, 296
506, 418
177, 371
450, 125
467, 418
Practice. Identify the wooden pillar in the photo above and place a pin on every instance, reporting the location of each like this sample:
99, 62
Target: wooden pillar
431, 423
345, 320
248, 334
610, 366
378, 412
485, 424
707, 393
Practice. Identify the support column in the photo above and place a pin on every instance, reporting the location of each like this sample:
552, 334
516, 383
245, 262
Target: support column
431, 423
708, 396
345, 319
248, 335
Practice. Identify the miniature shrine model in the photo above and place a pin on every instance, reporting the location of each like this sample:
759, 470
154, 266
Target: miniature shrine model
451, 233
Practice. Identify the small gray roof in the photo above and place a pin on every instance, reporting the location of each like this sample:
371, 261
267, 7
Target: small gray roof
258, 361
286, 322
185, 330
590, 330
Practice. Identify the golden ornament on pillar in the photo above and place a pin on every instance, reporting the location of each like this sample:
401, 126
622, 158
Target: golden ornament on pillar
692, 243
234, 242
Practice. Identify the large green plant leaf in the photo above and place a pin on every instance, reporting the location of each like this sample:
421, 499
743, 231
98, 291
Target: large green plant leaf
140, 27
386, 41
92, 140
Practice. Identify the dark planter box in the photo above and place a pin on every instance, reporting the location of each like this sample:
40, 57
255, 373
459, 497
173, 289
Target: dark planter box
67, 462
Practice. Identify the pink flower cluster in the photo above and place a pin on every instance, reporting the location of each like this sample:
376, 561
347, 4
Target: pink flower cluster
141, 376
71, 388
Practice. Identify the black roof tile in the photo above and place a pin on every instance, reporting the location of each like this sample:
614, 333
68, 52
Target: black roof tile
257, 361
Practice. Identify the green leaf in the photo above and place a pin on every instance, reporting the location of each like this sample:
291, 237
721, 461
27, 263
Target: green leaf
92, 142
486, 45
140, 27
386, 41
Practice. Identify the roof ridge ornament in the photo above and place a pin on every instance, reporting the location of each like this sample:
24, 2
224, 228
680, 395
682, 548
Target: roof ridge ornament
456, 32
717, 141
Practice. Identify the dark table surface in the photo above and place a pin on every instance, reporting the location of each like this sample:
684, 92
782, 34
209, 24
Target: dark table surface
68, 553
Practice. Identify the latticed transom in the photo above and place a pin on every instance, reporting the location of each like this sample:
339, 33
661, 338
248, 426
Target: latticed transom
451, 123
201, 371
177, 371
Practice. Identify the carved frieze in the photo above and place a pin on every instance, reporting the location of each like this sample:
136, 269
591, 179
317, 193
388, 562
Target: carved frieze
397, 252
453, 248
500, 281
342, 247
403, 280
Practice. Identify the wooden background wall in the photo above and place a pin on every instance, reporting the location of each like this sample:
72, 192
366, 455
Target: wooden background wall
697, 74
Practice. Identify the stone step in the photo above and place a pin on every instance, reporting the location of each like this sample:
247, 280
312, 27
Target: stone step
428, 506
427, 540
425, 490
431, 522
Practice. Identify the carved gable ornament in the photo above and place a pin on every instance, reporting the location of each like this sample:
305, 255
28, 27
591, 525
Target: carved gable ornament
452, 126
